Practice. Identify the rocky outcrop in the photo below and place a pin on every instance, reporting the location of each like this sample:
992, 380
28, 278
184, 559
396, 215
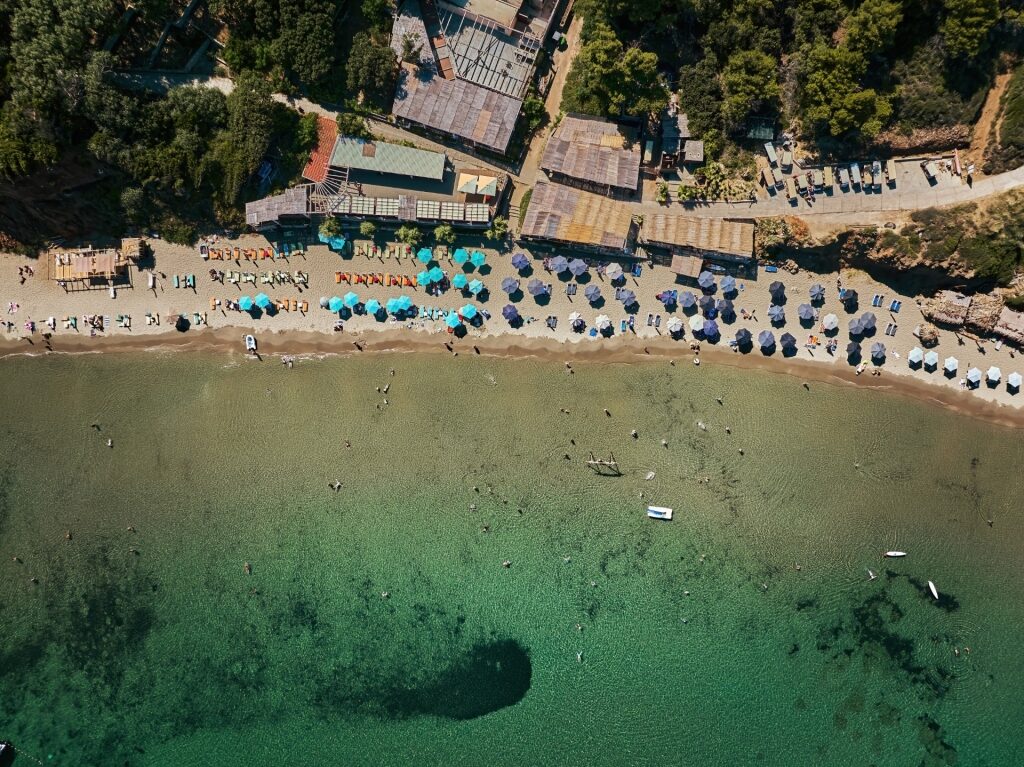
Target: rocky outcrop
923, 140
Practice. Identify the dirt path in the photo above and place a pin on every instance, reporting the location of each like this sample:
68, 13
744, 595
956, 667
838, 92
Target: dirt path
983, 129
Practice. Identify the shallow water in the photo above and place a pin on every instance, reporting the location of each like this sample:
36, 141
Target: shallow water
699, 640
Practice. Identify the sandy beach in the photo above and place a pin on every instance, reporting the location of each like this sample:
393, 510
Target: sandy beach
36, 299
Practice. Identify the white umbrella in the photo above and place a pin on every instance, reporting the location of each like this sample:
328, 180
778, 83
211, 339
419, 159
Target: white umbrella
696, 322
1013, 380
951, 364
575, 317
603, 322
674, 325
614, 271
994, 374
830, 322
974, 375
931, 359
915, 356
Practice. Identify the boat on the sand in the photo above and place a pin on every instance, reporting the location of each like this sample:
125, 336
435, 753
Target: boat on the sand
250, 342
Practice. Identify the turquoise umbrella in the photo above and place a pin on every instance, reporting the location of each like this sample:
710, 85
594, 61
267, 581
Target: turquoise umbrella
245, 303
453, 320
475, 287
424, 256
468, 311
461, 256
262, 300
350, 299
392, 306
436, 275
478, 258
460, 281
335, 304
404, 303
372, 306
423, 278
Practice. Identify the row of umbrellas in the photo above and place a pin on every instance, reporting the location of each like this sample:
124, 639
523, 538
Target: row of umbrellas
262, 300
577, 266
461, 256
462, 282
430, 276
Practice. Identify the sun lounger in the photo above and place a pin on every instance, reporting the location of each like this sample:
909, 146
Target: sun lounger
295, 304
304, 307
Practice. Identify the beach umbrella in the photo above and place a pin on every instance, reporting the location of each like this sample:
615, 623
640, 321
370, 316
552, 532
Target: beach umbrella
575, 317
536, 288
510, 285
853, 349
950, 364
710, 328
787, 340
323, 302
696, 323
878, 350
245, 303
423, 278
776, 313
603, 322
1013, 381
931, 359
593, 293
372, 306
687, 300
765, 339
614, 271
805, 312
974, 376
850, 298
743, 337
424, 256
510, 313
915, 356
817, 292
350, 299
777, 290
856, 328
707, 303
262, 300
404, 303
558, 264
578, 267
520, 261
475, 287
392, 306
993, 375
674, 325
706, 280
460, 281
627, 297
830, 322
478, 258
867, 320
667, 297
468, 311
334, 304
460, 256
728, 284
435, 274
452, 320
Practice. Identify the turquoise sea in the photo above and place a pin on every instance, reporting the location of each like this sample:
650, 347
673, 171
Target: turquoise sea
378, 625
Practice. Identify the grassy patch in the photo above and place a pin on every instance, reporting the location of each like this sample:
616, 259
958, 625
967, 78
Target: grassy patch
524, 205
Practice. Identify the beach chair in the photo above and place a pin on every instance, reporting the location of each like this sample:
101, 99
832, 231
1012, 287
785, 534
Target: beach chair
304, 307
295, 305
177, 281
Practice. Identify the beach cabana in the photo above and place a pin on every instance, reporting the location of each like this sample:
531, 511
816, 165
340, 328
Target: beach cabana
245, 303
696, 323
435, 274
688, 300
603, 322
974, 376
776, 314
558, 264
787, 341
728, 284
1013, 382
478, 258
777, 291
452, 320
262, 300
577, 267
520, 261
468, 311
743, 337
424, 256
707, 304
993, 375
706, 280
476, 287
614, 271
878, 351
830, 322
592, 293
805, 312
536, 288
460, 281
931, 360
350, 299
627, 297
950, 365
460, 256
710, 329
510, 313
765, 339
915, 356
817, 292
372, 307
853, 350
423, 278
674, 325
510, 285
867, 321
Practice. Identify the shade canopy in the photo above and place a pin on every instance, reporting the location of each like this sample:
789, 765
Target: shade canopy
510, 313
478, 258
974, 375
931, 359
707, 303
915, 356
452, 320
575, 317
765, 339
372, 306
776, 313
405, 302
536, 287
592, 293
603, 322
468, 311
787, 341
476, 287
777, 289
856, 328
392, 306
706, 280
558, 264
460, 281
245, 303
460, 256
710, 328
578, 267
668, 297
424, 255
334, 303
423, 278
853, 349
614, 271
350, 299
994, 374
805, 312
728, 284
951, 364
520, 261
1013, 380
262, 300
696, 323
817, 292
436, 275
687, 300
724, 307
324, 302
867, 320
830, 322
674, 324
743, 336
627, 297
510, 285
850, 297
878, 351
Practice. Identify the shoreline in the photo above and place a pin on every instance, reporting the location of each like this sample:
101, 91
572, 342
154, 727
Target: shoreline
616, 350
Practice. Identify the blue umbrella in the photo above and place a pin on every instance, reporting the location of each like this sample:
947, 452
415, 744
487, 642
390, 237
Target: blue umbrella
867, 320
765, 339
460, 281
743, 336
452, 320
475, 287
728, 284
536, 287
245, 303
707, 303
423, 278
558, 264
392, 306
710, 328
687, 300
787, 341
350, 299
592, 292
777, 289
262, 300
878, 351
724, 307
510, 285
856, 327
817, 292
435, 274
461, 256
404, 303
478, 258
468, 311
520, 261
372, 306
706, 280
510, 313
627, 297
805, 312
577, 267
776, 313
424, 256
334, 304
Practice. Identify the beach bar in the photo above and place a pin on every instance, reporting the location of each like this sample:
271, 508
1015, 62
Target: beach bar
87, 265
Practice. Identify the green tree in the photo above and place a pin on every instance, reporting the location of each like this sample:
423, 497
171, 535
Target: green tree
331, 227
749, 83
498, 229
412, 47
372, 69
871, 29
832, 94
701, 96
445, 234
240, 148
368, 229
378, 13
967, 24
409, 235
351, 124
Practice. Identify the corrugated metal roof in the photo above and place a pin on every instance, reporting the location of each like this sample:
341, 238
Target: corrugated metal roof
387, 158
718, 235
292, 202
558, 212
591, 149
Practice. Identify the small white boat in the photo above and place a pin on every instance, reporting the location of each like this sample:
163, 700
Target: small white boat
871, 575
659, 512
650, 476
931, 588
250, 343
895, 554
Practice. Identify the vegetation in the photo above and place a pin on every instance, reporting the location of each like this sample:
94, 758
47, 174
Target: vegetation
1009, 152
409, 235
350, 124
368, 229
524, 204
444, 234
331, 227
372, 70
498, 230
